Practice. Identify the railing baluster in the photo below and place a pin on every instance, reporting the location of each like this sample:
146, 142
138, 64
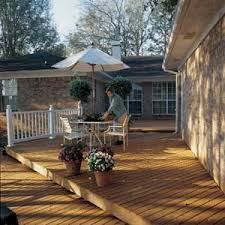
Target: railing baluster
21, 126
39, 121
35, 124
32, 124
17, 126
25, 124
42, 124
29, 126
46, 123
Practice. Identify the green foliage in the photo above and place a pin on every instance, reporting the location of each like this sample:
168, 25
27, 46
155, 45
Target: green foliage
25, 26
58, 50
161, 20
72, 152
94, 117
121, 85
167, 5
80, 90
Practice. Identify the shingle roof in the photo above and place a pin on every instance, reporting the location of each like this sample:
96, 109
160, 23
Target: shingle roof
37, 61
142, 66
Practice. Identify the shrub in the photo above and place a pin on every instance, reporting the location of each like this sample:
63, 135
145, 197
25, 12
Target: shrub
80, 90
121, 85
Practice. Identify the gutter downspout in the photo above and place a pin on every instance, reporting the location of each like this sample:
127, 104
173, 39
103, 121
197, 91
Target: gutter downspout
177, 98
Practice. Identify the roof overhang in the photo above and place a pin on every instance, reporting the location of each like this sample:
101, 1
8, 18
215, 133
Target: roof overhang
152, 79
193, 21
34, 74
48, 74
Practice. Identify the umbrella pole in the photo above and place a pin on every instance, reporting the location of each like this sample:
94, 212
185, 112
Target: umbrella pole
93, 89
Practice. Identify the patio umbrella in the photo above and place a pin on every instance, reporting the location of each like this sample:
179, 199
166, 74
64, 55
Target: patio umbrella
91, 60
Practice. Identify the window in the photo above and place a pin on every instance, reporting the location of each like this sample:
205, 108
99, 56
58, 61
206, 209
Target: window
163, 98
133, 102
9, 94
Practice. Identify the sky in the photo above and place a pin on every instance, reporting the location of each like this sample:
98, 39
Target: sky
65, 15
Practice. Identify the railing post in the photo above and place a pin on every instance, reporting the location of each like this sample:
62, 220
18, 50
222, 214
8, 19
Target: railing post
51, 122
10, 131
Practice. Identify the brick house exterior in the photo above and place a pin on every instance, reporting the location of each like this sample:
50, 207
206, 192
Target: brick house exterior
157, 87
201, 84
39, 85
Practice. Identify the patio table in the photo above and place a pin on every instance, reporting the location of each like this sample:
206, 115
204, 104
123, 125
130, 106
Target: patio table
95, 131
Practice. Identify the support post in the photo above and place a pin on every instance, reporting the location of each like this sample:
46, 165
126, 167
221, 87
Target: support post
10, 131
51, 122
80, 109
93, 88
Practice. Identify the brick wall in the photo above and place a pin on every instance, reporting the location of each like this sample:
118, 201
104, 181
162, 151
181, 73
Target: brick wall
147, 100
203, 102
39, 93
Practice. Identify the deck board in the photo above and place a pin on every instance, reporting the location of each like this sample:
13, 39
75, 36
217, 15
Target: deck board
37, 201
157, 181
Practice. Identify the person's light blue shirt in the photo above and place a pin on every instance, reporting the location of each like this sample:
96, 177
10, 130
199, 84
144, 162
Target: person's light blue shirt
116, 106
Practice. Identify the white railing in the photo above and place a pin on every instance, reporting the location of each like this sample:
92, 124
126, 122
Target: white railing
31, 125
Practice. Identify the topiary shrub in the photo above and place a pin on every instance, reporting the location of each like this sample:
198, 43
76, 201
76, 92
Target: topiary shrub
121, 85
80, 90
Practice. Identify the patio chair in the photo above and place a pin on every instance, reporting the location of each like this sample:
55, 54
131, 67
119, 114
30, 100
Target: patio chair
119, 130
71, 132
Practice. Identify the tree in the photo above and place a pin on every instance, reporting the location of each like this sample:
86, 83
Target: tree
80, 90
25, 26
161, 22
58, 50
121, 85
104, 21
167, 5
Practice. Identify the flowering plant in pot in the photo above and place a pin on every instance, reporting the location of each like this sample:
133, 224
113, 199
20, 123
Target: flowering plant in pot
101, 162
72, 156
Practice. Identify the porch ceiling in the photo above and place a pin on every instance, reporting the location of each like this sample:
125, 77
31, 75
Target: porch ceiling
193, 21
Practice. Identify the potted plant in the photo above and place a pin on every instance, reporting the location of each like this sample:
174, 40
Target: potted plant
93, 117
80, 90
72, 156
101, 162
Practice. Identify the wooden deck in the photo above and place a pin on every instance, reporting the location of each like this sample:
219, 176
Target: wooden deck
39, 201
152, 126
158, 181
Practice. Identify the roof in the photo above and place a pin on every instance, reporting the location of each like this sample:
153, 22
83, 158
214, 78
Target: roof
39, 63
142, 66
36, 61
193, 21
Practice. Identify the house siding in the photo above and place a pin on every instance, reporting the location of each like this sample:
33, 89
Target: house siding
203, 102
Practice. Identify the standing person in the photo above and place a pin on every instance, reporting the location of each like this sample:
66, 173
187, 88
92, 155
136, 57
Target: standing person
116, 107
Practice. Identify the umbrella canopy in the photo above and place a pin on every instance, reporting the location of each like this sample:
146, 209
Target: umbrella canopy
91, 60
85, 60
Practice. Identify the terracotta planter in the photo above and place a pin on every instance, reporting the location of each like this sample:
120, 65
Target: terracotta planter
103, 178
73, 168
